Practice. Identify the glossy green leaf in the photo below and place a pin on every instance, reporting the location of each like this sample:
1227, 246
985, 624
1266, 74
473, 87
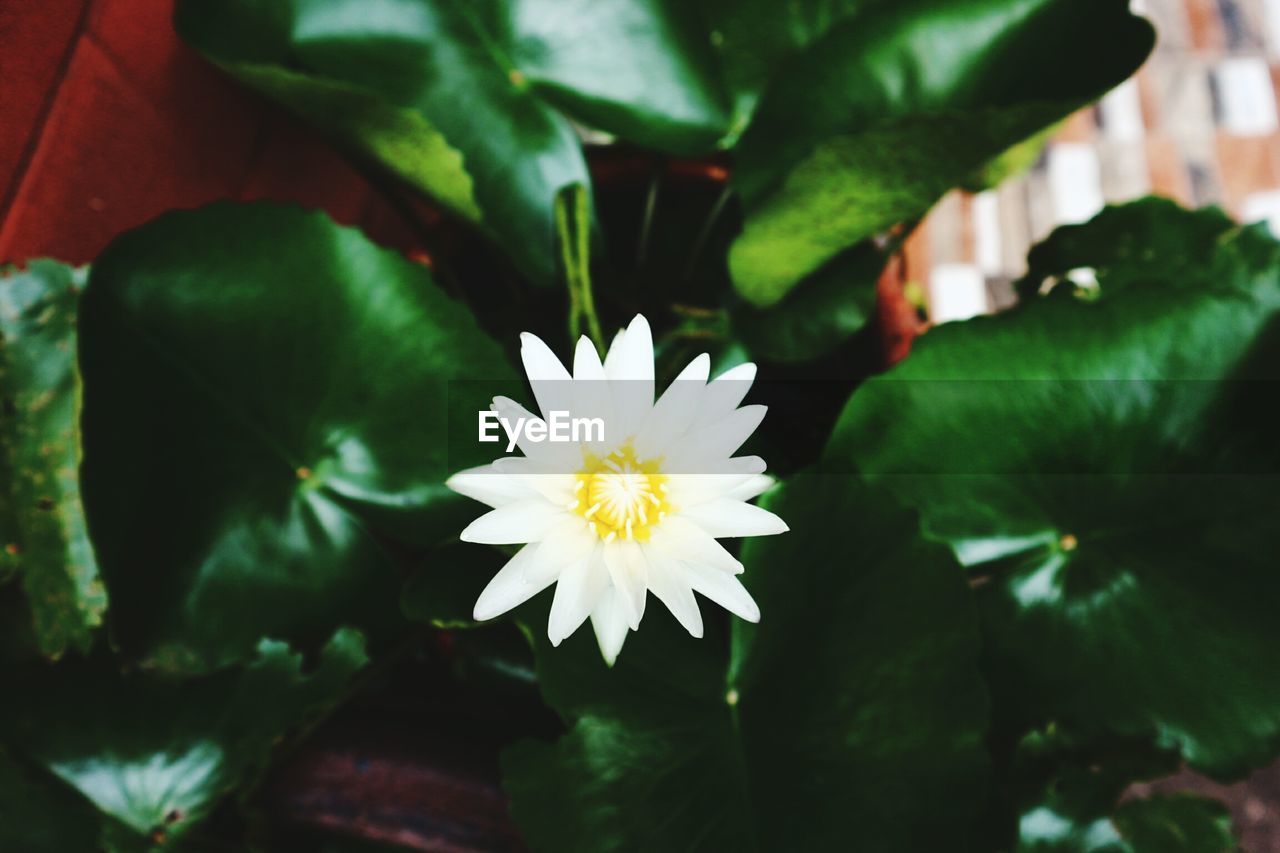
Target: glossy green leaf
856, 702
155, 755
42, 529
892, 107
754, 38
1014, 160
462, 99
1107, 467
641, 69
264, 392
822, 312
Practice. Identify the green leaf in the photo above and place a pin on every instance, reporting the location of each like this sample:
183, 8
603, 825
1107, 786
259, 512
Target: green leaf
644, 70
44, 535
461, 99
1155, 243
1180, 823
39, 815
1079, 812
1067, 789
822, 312
754, 38
1108, 469
265, 391
856, 702
892, 107
156, 755
1014, 160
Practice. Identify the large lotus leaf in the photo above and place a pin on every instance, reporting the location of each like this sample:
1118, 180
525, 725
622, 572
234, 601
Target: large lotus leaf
461, 99
890, 108
642, 69
1107, 467
154, 756
856, 702
43, 531
263, 392
754, 38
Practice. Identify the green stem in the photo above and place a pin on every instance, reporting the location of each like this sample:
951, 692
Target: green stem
565, 238
722, 201
583, 209
573, 233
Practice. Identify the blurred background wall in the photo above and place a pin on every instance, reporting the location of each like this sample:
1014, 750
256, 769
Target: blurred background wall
1198, 124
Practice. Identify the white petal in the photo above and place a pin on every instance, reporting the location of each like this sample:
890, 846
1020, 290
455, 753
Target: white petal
738, 466
567, 543
722, 518
675, 410
610, 625
508, 589
586, 361
725, 392
548, 455
666, 580
550, 381
631, 356
681, 539
615, 347
629, 367
686, 490
514, 523
592, 396
725, 590
697, 370
741, 465
752, 487
629, 573
511, 411
488, 485
717, 440
578, 592
540, 476
545, 474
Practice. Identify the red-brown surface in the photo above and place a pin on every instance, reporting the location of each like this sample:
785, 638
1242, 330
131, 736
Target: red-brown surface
900, 324
395, 795
109, 120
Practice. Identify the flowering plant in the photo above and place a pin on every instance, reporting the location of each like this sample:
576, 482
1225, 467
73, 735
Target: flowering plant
612, 519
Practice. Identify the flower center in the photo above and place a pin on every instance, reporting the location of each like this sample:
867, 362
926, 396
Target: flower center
620, 495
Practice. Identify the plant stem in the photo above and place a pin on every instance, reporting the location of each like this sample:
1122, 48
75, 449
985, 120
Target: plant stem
565, 239
583, 210
646, 222
573, 232
704, 233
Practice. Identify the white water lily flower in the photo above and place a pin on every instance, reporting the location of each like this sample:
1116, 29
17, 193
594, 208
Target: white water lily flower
610, 519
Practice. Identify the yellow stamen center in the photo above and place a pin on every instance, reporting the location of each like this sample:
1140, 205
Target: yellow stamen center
622, 496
